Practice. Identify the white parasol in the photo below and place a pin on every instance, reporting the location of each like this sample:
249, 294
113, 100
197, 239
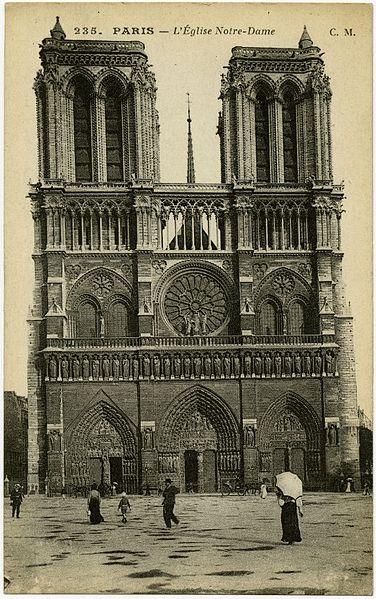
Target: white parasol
290, 484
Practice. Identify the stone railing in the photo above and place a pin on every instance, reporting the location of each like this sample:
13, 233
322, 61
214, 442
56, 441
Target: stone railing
191, 363
120, 343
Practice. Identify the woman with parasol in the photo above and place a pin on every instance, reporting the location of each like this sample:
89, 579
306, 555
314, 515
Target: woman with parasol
289, 493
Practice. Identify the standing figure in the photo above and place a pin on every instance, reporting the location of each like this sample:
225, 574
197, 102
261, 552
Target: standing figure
167, 367
64, 368
124, 506
187, 367
95, 368
236, 366
307, 365
16, 500
106, 367
204, 320
187, 324
217, 366
169, 503
85, 367
263, 490
52, 368
278, 365
126, 367
157, 367
116, 367
329, 363
207, 366
146, 366
268, 365
135, 367
288, 361
298, 365
76, 368
197, 366
227, 366
177, 367
247, 365
93, 504
318, 364
258, 365
289, 517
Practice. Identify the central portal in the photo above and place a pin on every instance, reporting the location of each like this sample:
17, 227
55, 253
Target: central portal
191, 471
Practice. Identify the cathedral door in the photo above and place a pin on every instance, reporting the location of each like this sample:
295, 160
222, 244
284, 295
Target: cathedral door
298, 462
279, 460
191, 470
96, 470
116, 471
209, 471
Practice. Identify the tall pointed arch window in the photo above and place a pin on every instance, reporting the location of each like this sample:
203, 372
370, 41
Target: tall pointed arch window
289, 138
117, 320
262, 138
296, 319
269, 319
114, 141
87, 320
82, 131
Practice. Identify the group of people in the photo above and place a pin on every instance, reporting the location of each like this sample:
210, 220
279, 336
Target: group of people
94, 503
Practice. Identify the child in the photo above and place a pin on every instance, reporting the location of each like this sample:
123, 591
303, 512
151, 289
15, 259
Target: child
124, 505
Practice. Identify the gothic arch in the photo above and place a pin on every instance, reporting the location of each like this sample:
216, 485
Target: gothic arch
299, 407
261, 83
291, 84
303, 288
80, 430
120, 285
105, 75
210, 405
69, 79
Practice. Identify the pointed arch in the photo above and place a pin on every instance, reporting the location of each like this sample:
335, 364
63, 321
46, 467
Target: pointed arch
298, 406
82, 91
211, 406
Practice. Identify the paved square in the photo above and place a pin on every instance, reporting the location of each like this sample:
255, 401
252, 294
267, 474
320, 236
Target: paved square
222, 545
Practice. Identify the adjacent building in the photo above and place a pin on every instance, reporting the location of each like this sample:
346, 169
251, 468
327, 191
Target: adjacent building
15, 439
198, 331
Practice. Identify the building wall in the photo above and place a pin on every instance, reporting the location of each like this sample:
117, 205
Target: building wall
15, 438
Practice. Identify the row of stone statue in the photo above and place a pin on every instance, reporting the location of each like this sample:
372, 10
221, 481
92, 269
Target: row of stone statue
168, 463
206, 365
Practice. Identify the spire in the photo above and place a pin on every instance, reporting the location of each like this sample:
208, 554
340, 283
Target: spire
58, 32
305, 40
190, 163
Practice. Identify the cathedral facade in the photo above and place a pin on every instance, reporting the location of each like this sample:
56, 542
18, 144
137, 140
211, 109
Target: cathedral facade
196, 331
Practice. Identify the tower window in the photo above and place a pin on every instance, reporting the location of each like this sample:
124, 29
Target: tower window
289, 139
296, 319
262, 139
117, 320
114, 153
87, 320
82, 132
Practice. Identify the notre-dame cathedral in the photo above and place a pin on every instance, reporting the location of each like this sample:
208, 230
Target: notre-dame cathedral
197, 331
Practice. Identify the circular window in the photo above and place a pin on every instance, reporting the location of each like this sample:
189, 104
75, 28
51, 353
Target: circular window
196, 304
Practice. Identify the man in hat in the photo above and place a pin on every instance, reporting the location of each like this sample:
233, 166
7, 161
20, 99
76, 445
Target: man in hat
169, 502
16, 500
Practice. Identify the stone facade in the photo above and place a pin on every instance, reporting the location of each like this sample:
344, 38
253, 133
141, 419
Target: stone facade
194, 330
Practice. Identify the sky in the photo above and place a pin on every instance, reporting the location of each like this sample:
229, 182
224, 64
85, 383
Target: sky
194, 63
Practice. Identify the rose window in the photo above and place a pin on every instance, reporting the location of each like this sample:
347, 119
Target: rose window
195, 304
102, 285
283, 284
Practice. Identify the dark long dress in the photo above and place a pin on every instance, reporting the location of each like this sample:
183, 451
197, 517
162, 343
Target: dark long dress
94, 507
290, 523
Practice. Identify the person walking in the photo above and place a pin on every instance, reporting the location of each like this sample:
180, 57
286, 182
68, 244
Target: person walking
124, 506
16, 500
289, 517
93, 503
169, 493
263, 490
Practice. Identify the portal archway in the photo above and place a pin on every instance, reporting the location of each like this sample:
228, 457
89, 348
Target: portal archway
199, 442
290, 439
102, 448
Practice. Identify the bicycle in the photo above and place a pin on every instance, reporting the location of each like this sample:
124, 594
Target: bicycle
240, 489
